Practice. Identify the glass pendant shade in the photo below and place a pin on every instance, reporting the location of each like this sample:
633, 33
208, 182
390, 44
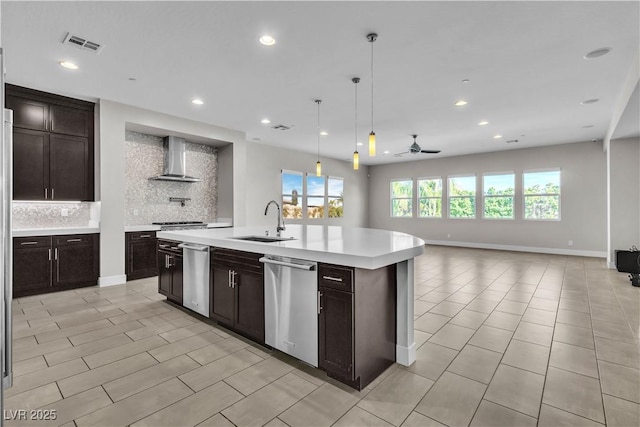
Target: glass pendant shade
372, 144
356, 160
318, 168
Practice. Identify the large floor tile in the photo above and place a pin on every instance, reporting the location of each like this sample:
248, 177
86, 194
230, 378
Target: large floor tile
117, 353
517, 389
575, 318
322, 407
527, 356
183, 346
431, 323
45, 376
432, 360
620, 381
359, 417
258, 375
582, 337
619, 352
490, 414
534, 333
491, 338
620, 412
616, 331
33, 399
540, 317
217, 350
469, 319
447, 308
394, 398
482, 305
573, 358
512, 307
416, 419
476, 363
574, 393
452, 400
501, 320
57, 357
452, 336
554, 417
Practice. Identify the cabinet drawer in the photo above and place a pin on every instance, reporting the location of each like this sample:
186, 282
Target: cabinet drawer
169, 246
336, 277
142, 235
31, 242
73, 239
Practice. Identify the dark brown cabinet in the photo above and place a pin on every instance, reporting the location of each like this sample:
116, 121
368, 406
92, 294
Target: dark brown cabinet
170, 267
43, 264
53, 146
237, 291
356, 323
141, 259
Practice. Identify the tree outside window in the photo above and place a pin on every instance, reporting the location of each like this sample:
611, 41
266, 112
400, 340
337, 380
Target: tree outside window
292, 194
402, 198
430, 198
335, 192
462, 197
498, 193
542, 195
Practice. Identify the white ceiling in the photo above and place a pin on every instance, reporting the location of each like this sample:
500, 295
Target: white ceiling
524, 61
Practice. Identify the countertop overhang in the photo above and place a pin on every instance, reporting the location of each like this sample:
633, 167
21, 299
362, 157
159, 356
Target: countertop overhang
350, 246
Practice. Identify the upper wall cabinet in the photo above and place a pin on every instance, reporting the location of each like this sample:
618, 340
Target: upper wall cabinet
53, 146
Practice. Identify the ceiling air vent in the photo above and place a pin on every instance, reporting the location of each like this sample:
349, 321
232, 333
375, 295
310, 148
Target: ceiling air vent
282, 127
511, 141
82, 43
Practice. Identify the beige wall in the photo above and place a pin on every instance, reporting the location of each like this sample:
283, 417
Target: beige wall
583, 201
624, 202
263, 167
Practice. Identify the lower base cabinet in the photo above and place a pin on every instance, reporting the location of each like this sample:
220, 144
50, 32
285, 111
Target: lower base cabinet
237, 291
170, 268
356, 322
141, 259
43, 264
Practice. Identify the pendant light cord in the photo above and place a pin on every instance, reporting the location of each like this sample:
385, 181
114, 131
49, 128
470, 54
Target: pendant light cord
318, 102
356, 80
372, 84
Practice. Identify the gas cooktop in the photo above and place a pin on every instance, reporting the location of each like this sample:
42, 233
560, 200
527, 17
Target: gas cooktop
177, 223
180, 225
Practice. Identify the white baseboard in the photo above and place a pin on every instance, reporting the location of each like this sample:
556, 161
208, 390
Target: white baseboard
611, 265
554, 251
112, 280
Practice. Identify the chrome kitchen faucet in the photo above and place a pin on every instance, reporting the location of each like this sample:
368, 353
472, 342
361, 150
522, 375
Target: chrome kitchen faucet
280, 226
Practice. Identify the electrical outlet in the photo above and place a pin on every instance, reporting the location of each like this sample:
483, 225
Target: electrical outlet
570, 242
448, 236
135, 212
64, 212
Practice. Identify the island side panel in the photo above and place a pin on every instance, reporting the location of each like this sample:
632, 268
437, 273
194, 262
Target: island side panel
405, 343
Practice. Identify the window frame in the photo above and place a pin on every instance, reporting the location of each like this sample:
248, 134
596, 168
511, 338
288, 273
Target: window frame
513, 196
301, 197
411, 198
525, 195
475, 196
418, 198
330, 196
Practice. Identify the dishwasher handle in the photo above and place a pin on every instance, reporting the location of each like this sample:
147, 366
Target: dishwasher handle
200, 248
309, 266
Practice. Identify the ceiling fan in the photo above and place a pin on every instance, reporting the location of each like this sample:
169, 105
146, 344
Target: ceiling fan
415, 148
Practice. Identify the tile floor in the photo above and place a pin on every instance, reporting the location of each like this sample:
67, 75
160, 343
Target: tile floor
503, 339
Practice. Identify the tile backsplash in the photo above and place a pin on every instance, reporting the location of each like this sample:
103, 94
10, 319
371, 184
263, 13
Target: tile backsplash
52, 215
147, 201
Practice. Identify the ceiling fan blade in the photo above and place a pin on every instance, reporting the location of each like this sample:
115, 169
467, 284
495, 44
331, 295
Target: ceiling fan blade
430, 151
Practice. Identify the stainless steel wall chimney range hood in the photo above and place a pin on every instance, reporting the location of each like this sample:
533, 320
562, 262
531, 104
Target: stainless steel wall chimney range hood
175, 161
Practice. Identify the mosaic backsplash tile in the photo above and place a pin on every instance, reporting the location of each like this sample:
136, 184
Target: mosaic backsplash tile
48, 215
147, 201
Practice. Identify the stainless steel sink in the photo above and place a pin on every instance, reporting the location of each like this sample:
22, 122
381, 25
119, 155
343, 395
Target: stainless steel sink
263, 239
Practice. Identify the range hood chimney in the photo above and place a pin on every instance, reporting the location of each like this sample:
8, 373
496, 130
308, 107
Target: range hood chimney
175, 161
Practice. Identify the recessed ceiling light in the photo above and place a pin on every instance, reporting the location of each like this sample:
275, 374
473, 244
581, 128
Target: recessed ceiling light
197, 101
590, 101
461, 103
483, 123
267, 40
597, 53
324, 133
465, 81
386, 152
68, 64
359, 145
497, 136
265, 121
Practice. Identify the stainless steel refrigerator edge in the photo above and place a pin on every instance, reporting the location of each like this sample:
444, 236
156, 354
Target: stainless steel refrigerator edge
6, 296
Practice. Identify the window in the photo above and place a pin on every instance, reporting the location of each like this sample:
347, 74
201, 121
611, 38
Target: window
462, 197
498, 190
335, 192
430, 198
315, 196
402, 198
541, 195
292, 194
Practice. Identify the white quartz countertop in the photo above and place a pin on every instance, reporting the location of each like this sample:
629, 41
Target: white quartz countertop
29, 232
350, 246
151, 227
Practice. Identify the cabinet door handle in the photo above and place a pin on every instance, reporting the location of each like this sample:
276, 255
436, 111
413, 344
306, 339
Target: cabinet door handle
46, 193
175, 248
229, 278
56, 253
319, 302
74, 240
333, 279
51, 125
145, 236
49, 254
53, 193
163, 246
29, 243
233, 279
57, 266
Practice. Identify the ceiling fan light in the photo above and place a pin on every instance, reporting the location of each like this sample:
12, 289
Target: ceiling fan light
356, 160
372, 144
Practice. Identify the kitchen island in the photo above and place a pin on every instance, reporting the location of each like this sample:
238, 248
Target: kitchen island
361, 249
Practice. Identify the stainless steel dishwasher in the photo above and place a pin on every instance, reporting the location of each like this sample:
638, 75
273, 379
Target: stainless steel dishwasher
195, 292
290, 307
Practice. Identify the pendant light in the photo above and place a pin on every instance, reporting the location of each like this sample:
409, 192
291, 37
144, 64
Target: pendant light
356, 155
318, 165
372, 135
